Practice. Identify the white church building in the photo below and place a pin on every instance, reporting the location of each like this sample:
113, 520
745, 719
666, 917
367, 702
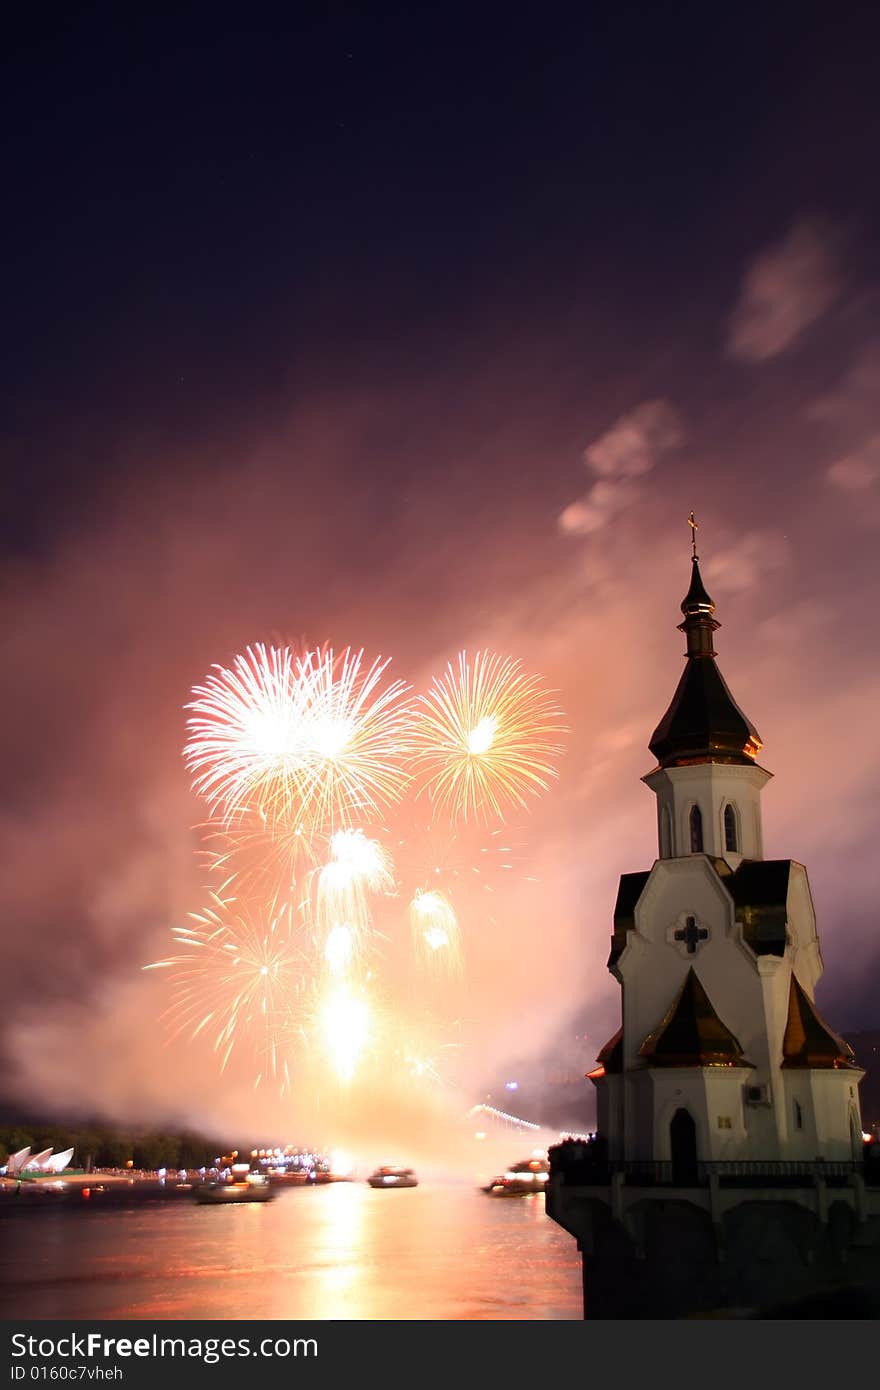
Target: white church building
723, 1081
722, 1053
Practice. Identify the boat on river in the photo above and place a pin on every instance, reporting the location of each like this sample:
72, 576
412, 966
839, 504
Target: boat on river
253, 1188
521, 1180
393, 1177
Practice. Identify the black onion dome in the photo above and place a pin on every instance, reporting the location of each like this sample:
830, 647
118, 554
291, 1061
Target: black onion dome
703, 723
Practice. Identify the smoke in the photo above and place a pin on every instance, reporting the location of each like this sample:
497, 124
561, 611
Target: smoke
322, 537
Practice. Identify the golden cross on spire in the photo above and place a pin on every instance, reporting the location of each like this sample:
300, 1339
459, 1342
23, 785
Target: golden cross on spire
694, 525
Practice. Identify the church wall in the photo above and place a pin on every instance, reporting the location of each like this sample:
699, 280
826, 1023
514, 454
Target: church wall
765, 1121
614, 1131
796, 1100
609, 1113
714, 1097
674, 1088
837, 1112
774, 973
638, 1125
770, 1126
726, 1113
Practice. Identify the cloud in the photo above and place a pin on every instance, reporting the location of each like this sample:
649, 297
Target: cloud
785, 290
806, 620
635, 441
851, 411
854, 404
859, 470
598, 506
744, 565
629, 449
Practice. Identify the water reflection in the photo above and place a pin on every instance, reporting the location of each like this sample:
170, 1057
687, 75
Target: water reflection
341, 1251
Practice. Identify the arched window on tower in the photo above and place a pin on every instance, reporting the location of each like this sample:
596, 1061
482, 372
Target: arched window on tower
731, 842
665, 834
696, 830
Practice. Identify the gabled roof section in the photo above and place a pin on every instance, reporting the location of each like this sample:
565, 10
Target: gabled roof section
808, 1042
692, 1034
629, 891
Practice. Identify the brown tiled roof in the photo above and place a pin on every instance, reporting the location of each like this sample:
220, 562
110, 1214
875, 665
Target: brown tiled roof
692, 1034
808, 1042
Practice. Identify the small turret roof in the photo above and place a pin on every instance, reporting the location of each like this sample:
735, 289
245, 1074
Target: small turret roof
696, 600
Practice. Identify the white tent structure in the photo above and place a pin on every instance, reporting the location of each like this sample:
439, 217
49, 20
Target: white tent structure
58, 1162
37, 1164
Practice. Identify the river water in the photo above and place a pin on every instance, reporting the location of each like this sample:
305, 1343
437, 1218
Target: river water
338, 1251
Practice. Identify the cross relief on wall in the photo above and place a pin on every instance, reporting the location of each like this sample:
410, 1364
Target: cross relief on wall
691, 935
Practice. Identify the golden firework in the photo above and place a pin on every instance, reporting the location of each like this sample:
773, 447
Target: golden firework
435, 933
356, 868
485, 738
243, 978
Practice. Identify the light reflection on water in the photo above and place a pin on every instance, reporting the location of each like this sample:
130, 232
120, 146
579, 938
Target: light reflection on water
340, 1251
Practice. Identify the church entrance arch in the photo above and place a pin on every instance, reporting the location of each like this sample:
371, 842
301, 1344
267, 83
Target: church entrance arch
683, 1146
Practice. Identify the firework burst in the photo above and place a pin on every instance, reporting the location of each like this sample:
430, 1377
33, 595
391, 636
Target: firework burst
357, 867
357, 734
435, 933
346, 1028
293, 754
251, 860
421, 1049
485, 738
242, 978
246, 748
302, 742
432, 855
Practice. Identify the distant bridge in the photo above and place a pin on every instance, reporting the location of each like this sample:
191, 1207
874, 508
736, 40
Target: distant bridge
500, 1118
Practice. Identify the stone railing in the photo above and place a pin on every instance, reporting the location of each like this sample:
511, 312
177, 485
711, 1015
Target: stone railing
585, 1164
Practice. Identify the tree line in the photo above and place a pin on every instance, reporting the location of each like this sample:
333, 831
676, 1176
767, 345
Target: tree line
96, 1146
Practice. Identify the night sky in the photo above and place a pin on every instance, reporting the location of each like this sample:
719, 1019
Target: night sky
419, 328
